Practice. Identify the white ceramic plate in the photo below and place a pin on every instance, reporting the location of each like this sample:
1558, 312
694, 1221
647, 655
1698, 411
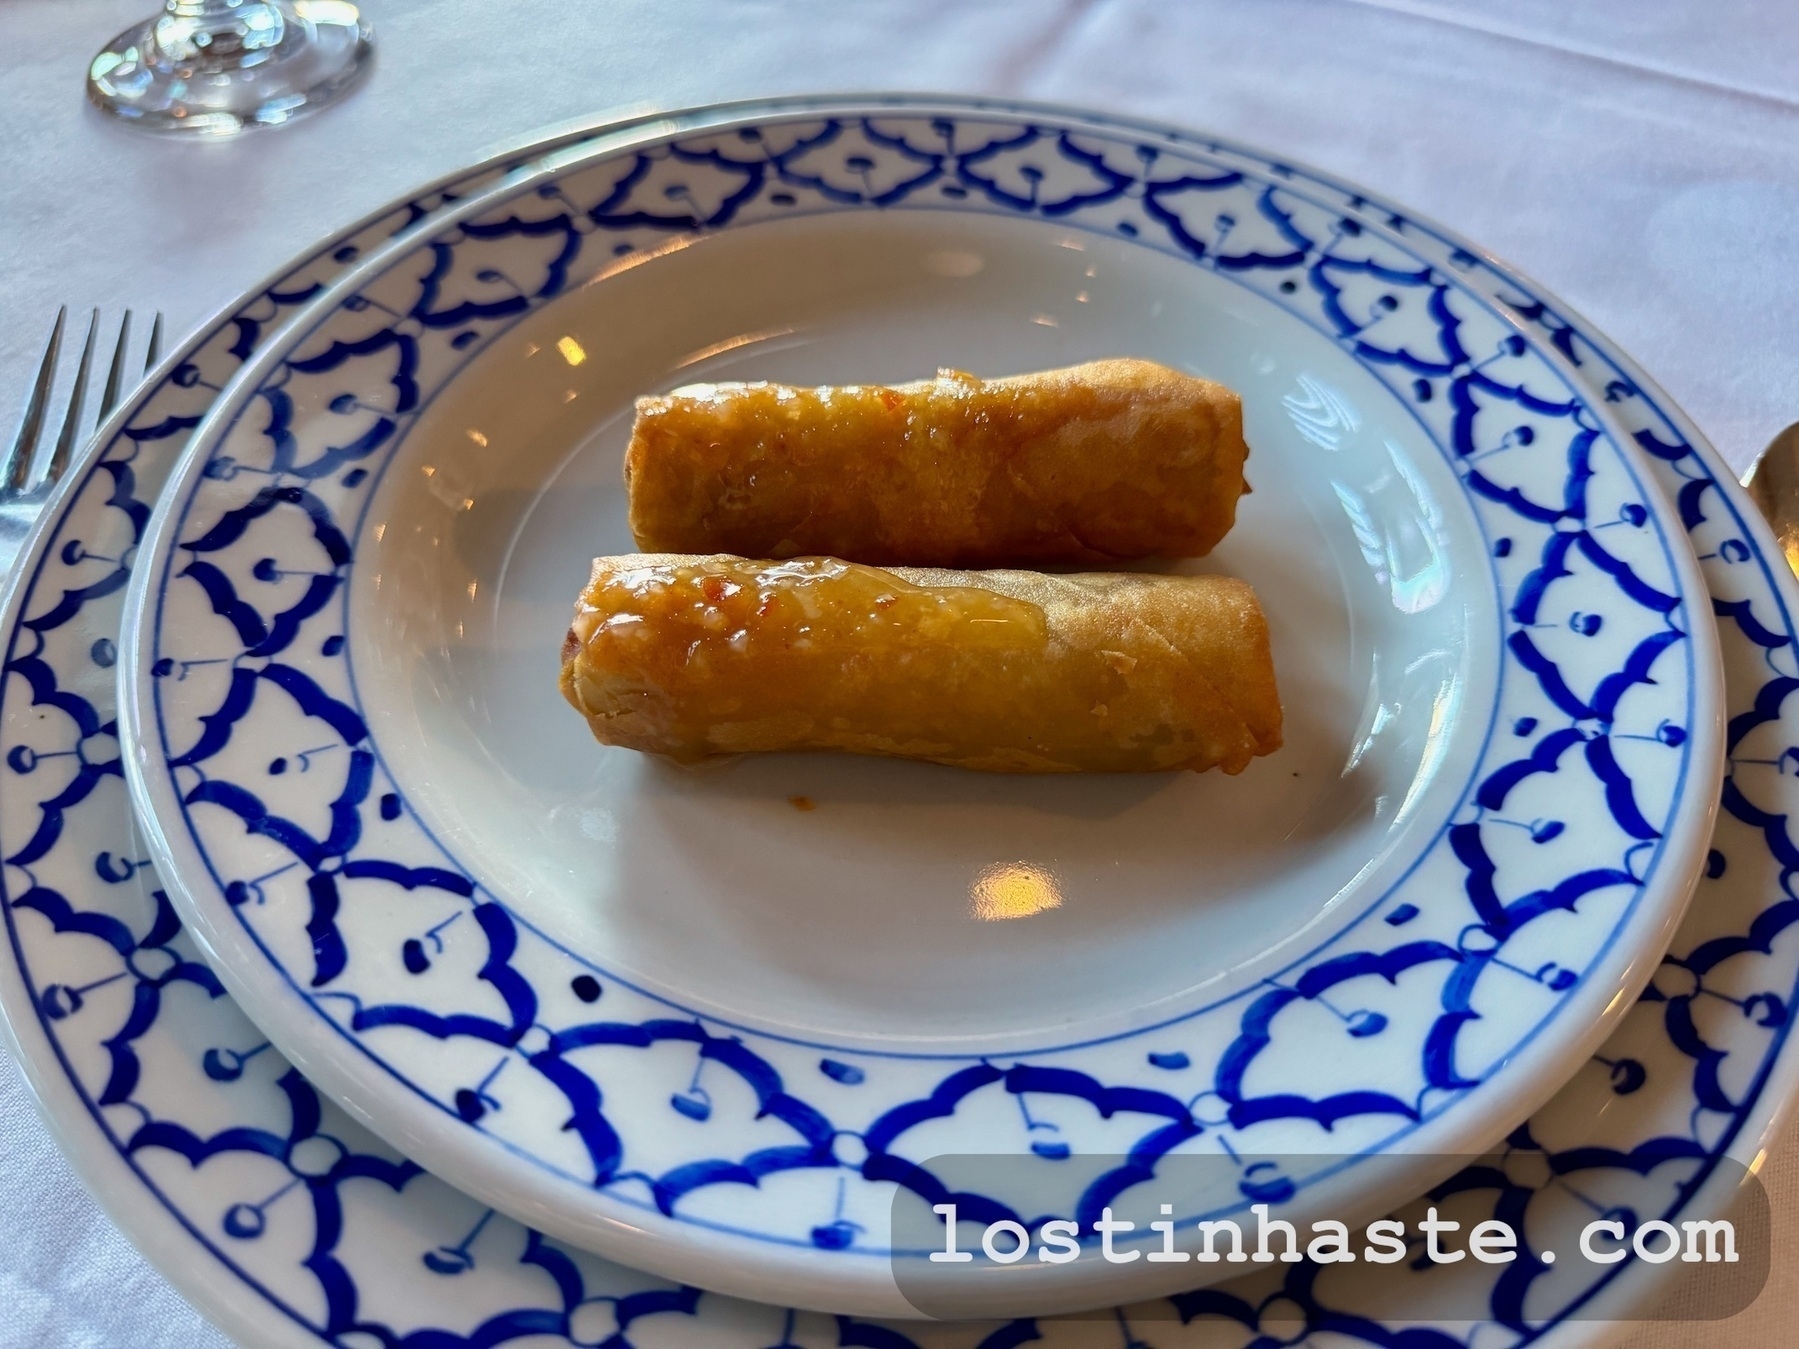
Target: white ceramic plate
184, 1121
671, 1018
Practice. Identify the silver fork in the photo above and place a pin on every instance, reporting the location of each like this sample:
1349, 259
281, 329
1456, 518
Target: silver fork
38, 457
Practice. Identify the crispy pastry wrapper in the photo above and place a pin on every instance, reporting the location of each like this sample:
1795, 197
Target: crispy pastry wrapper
1095, 463
1005, 671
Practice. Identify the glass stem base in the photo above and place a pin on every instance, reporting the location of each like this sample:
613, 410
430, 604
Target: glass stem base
208, 68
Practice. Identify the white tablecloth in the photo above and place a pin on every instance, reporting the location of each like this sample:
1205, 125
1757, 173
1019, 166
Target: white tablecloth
1640, 158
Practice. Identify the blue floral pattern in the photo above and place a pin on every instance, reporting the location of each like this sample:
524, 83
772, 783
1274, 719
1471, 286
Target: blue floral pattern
1507, 905
181, 1088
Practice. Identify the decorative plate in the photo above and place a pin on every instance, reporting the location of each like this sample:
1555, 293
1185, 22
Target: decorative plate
675, 1020
290, 1225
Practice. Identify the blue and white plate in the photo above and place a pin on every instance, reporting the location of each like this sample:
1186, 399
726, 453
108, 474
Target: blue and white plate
667, 1016
290, 1225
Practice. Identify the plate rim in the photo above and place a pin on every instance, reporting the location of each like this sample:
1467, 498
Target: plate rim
510, 1192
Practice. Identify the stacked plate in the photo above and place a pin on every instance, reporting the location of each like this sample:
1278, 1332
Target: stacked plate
382, 1007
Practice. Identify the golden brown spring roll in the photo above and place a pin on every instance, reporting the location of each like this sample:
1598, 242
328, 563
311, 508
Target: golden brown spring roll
1006, 671
1114, 459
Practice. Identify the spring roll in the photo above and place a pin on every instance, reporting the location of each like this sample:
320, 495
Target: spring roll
1004, 671
1100, 462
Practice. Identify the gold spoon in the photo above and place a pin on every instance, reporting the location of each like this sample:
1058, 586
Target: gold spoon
1773, 481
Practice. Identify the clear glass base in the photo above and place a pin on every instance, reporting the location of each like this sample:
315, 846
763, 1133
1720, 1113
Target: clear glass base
214, 68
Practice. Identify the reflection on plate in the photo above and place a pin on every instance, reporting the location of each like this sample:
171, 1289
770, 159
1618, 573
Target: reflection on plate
674, 1019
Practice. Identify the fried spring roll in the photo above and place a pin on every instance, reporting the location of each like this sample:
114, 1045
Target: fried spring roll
1114, 459
1006, 671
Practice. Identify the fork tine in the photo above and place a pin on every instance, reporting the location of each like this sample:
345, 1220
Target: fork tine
109, 396
154, 351
15, 469
71, 421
